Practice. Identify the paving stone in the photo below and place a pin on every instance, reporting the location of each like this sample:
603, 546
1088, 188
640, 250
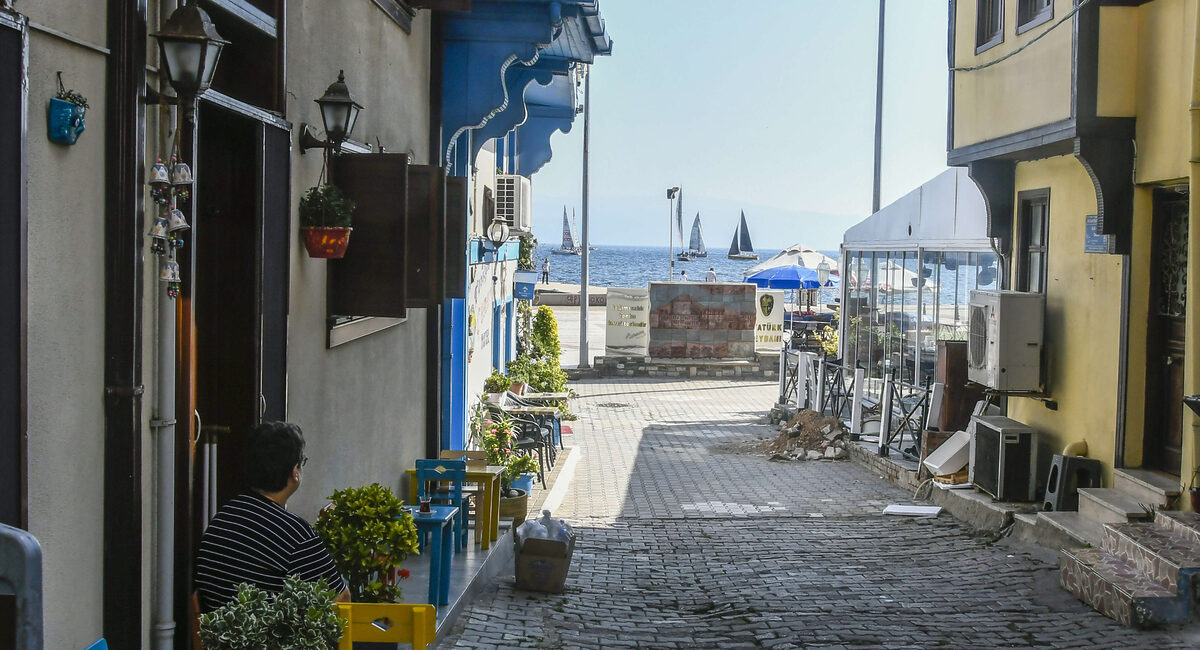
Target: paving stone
683, 545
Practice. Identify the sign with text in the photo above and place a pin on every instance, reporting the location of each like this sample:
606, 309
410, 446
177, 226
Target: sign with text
627, 329
768, 322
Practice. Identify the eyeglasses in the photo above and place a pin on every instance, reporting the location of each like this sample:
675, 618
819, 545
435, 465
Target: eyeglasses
303, 460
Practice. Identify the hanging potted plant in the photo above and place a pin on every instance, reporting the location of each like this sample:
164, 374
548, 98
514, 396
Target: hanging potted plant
325, 221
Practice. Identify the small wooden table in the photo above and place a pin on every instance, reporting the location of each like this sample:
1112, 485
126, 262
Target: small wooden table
487, 512
439, 521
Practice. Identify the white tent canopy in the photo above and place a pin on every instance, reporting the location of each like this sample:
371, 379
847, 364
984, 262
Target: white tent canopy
946, 213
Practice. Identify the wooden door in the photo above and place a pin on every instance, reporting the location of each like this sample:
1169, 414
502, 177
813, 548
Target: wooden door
1165, 335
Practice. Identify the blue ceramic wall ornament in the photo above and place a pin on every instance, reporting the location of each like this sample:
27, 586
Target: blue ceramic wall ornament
66, 115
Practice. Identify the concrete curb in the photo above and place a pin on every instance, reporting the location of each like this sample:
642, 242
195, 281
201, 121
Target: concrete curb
562, 482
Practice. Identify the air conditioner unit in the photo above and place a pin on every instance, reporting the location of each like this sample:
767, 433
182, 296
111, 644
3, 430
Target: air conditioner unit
1004, 458
513, 202
1005, 351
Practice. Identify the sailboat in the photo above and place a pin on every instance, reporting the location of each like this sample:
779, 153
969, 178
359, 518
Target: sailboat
741, 248
569, 247
696, 243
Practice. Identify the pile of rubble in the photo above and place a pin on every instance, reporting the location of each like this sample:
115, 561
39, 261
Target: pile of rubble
808, 435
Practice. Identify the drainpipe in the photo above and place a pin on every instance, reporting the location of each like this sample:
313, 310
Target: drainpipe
1191, 444
162, 422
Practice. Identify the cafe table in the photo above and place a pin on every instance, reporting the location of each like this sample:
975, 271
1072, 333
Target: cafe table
439, 521
487, 512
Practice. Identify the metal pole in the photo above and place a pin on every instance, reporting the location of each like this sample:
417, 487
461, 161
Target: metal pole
878, 112
671, 239
583, 290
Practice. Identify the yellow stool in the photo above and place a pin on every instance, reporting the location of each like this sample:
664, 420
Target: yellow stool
388, 623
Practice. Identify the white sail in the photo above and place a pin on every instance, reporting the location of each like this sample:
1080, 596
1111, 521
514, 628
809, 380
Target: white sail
696, 243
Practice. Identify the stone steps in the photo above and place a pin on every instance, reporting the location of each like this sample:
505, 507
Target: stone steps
1074, 527
1144, 573
1111, 506
1147, 486
1118, 590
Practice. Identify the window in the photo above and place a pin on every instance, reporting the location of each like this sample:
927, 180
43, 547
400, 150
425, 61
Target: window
989, 24
1033, 231
1031, 13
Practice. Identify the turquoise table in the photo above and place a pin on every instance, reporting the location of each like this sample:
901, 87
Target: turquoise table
440, 522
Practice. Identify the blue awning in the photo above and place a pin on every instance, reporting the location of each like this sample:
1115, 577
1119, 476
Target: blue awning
497, 51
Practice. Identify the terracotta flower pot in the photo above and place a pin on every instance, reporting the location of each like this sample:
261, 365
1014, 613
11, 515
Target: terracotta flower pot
326, 243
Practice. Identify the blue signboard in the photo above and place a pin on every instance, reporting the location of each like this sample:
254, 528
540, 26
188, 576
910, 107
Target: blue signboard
1093, 241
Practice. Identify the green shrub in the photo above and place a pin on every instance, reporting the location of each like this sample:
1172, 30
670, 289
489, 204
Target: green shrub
368, 534
525, 257
545, 334
301, 617
497, 382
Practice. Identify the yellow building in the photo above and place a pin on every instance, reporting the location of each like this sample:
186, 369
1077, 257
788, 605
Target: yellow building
1081, 125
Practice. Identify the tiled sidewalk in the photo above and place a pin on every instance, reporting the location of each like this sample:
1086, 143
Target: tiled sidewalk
682, 544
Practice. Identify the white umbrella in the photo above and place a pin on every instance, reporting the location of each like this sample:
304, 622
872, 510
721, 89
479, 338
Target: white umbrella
795, 255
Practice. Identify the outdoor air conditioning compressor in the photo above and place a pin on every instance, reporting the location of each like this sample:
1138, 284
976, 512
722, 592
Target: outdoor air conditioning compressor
513, 202
1005, 346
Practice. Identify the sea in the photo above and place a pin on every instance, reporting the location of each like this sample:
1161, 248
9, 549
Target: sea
635, 266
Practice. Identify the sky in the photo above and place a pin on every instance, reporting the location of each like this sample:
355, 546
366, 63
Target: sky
766, 106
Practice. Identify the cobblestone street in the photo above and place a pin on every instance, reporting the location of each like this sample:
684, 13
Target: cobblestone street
682, 542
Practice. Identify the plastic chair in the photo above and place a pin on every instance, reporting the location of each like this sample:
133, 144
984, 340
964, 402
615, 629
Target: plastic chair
474, 458
450, 475
388, 623
554, 421
530, 438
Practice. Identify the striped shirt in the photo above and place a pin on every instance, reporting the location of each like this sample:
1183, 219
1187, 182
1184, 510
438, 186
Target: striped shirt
253, 539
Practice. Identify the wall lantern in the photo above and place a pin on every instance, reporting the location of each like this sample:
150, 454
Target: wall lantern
190, 48
823, 273
339, 112
497, 233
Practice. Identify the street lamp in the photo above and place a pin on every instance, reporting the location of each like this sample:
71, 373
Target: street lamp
497, 233
190, 47
823, 273
671, 192
339, 112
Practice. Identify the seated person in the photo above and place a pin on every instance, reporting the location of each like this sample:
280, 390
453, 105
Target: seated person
253, 538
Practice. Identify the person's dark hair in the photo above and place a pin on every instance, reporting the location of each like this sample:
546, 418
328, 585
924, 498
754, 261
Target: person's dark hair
272, 450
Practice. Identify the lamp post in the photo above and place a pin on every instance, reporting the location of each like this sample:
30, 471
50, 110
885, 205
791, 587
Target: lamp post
671, 192
190, 48
339, 112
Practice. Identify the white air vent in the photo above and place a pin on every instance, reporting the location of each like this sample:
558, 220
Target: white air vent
513, 202
1005, 347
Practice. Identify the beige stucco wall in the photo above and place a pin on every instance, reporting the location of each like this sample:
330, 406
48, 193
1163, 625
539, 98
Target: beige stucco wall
65, 190
361, 404
1116, 77
1167, 34
1082, 319
1030, 89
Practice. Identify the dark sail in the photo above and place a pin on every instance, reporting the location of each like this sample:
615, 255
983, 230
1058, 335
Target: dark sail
744, 236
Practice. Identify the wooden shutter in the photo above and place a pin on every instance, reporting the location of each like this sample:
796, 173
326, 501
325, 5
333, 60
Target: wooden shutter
426, 224
456, 237
273, 288
369, 280
441, 5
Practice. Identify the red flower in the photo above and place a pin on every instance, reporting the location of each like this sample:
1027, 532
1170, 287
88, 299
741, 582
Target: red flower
404, 573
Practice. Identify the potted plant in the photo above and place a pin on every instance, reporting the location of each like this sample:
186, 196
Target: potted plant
496, 436
325, 220
301, 616
369, 533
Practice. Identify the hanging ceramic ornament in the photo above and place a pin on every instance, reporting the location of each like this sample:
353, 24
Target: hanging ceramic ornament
181, 174
170, 275
159, 229
160, 176
176, 221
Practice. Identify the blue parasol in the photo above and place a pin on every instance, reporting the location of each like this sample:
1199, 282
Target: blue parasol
792, 276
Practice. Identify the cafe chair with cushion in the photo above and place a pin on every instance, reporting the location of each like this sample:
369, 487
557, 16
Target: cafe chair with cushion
443, 481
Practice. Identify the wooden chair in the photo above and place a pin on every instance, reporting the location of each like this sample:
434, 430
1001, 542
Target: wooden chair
476, 458
449, 475
388, 623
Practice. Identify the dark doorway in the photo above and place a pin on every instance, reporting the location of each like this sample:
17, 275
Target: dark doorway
12, 275
241, 287
1165, 334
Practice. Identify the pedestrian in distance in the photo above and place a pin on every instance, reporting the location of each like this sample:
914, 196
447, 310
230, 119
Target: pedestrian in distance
546, 270
711, 276
683, 276
253, 538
